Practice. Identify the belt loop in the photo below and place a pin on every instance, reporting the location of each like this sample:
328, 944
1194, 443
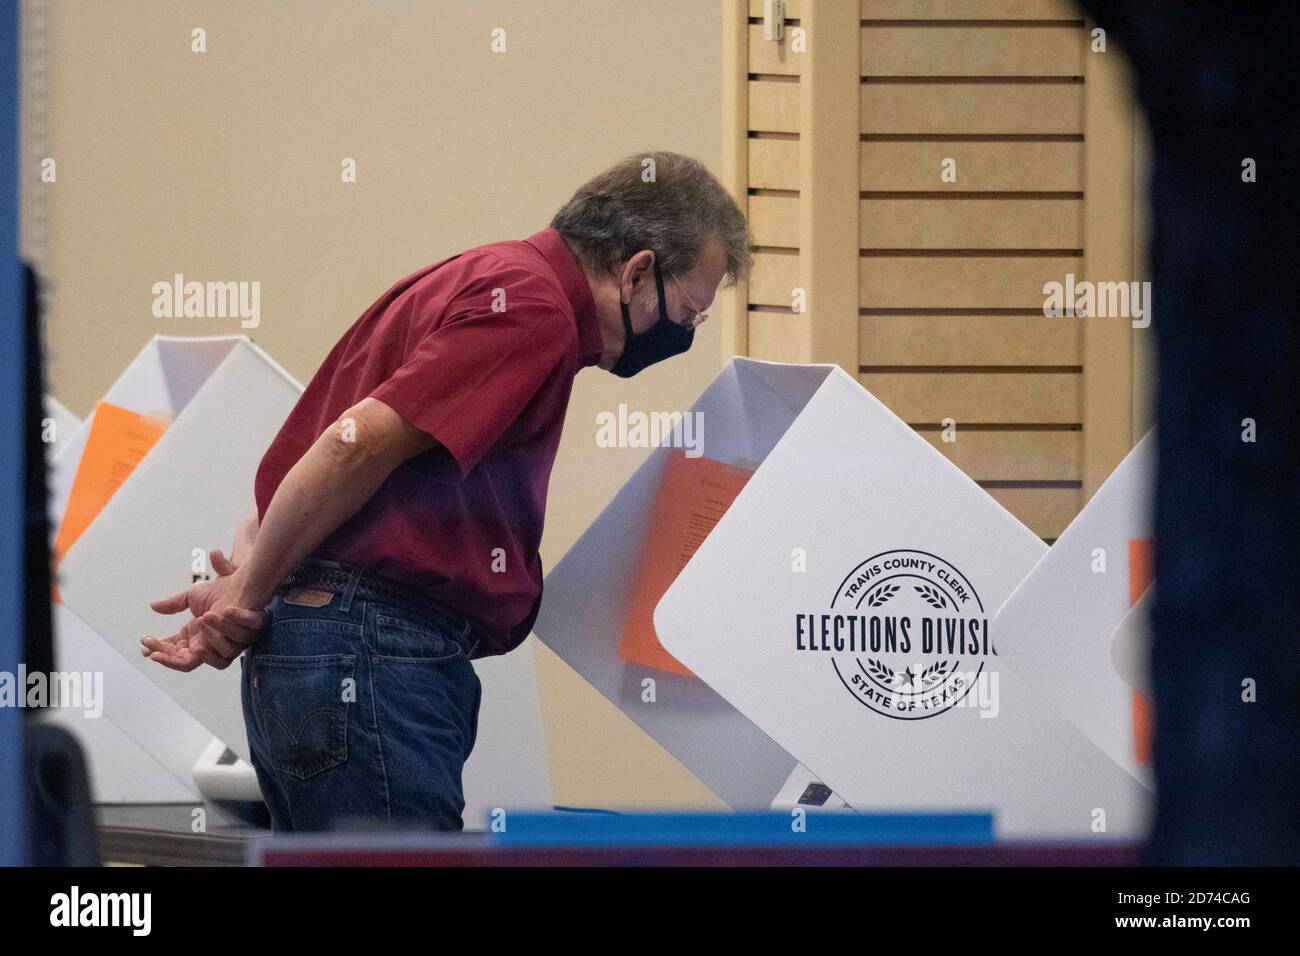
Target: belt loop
354, 578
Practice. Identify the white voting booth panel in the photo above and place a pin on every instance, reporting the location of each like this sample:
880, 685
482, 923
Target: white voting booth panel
120, 770
508, 767
63, 424
1058, 628
853, 515
142, 749
744, 411
1130, 645
190, 491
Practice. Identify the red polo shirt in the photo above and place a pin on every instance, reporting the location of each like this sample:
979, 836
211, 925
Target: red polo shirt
480, 351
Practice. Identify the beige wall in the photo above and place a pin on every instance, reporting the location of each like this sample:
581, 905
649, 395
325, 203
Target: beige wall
225, 165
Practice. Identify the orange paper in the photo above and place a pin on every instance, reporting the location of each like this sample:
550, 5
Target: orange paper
694, 495
1140, 575
118, 440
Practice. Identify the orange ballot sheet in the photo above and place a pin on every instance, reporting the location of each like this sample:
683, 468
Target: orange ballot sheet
119, 438
1141, 573
694, 494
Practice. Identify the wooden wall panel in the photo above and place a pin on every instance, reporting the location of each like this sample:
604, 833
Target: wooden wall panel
975, 108
1045, 511
774, 220
1032, 166
979, 397
774, 164
942, 9
962, 282
1011, 455
775, 277
969, 340
1108, 343
794, 9
781, 336
959, 9
774, 106
908, 50
772, 57
829, 184
971, 223
735, 167
951, 273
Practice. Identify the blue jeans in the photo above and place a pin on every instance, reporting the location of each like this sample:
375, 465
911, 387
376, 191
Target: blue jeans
360, 711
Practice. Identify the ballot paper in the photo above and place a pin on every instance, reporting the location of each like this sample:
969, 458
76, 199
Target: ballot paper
118, 440
693, 494
844, 603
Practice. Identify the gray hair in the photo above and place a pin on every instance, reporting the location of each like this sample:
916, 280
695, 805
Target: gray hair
665, 202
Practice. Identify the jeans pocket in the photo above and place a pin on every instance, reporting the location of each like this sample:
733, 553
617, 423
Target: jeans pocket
402, 640
301, 706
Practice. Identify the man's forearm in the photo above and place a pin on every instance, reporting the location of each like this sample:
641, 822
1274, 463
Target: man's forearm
328, 485
245, 536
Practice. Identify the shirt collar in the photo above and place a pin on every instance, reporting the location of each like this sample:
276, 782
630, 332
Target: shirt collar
574, 283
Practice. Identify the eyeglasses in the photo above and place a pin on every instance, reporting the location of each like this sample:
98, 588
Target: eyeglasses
694, 317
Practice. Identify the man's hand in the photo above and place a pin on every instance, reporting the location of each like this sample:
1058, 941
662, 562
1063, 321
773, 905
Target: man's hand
220, 627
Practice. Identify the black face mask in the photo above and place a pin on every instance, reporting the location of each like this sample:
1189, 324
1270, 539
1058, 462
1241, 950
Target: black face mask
662, 340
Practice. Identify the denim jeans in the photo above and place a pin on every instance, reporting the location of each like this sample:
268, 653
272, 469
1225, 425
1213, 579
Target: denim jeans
359, 711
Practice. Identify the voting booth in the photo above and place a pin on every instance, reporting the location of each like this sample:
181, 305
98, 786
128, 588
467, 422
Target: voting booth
589, 593
836, 626
1075, 627
144, 746
159, 475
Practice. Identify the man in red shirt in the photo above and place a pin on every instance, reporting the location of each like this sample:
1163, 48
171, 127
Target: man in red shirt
397, 515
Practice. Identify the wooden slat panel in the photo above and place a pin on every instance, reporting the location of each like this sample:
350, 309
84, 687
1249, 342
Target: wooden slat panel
968, 51
774, 164
959, 282
733, 316
1108, 346
1045, 511
969, 340
773, 279
829, 185
1013, 455
1050, 166
794, 9
959, 9
992, 108
944, 9
971, 223
774, 220
772, 56
774, 106
780, 336
979, 397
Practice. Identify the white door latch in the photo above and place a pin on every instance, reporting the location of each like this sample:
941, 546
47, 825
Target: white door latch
773, 19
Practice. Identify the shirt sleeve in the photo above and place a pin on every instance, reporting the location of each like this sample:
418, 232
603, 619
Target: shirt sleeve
467, 380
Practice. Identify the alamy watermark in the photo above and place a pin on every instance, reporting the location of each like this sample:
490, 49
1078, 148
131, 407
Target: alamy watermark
636, 429
1103, 300
69, 690
180, 299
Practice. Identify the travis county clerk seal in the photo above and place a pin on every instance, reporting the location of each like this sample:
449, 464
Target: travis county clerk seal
907, 635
